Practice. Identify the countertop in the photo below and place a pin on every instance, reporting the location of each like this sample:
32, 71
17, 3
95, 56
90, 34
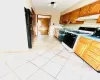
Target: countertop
91, 37
84, 35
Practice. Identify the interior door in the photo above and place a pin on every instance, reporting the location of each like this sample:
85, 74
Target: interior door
44, 27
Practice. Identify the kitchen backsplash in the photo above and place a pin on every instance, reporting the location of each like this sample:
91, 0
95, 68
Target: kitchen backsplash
86, 24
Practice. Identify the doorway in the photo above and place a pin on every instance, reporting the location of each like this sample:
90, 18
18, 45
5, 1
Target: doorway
43, 24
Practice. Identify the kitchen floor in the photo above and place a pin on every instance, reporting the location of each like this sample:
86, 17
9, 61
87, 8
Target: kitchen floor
48, 60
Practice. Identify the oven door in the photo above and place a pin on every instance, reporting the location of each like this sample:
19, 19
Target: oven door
69, 39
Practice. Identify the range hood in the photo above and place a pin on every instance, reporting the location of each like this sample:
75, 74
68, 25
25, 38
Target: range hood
91, 17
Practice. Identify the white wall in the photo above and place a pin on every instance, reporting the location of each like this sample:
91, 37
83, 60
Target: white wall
12, 26
54, 13
55, 16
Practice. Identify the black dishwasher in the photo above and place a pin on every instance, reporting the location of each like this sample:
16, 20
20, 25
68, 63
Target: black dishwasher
69, 39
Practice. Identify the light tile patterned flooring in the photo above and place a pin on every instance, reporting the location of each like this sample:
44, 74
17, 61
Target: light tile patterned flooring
48, 60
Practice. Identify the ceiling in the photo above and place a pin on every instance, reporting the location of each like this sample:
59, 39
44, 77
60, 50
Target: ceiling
61, 4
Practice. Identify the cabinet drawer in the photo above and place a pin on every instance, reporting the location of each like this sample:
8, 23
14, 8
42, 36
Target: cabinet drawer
85, 40
96, 44
91, 61
93, 55
95, 50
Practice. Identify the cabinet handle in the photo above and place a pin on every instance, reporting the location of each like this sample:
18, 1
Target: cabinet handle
91, 59
96, 49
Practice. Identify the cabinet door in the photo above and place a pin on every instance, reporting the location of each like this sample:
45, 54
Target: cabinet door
98, 68
66, 18
81, 45
61, 19
94, 8
84, 11
74, 15
91, 61
56, 32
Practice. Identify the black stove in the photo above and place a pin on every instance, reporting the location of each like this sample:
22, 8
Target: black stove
79, 32
97, 33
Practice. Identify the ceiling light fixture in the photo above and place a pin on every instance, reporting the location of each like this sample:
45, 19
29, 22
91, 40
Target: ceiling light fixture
52, 4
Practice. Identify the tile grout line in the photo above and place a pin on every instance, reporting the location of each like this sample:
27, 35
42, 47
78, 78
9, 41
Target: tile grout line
42, 66
13, 72
61, 69
5, 74
46, 51
54, 54
38, 70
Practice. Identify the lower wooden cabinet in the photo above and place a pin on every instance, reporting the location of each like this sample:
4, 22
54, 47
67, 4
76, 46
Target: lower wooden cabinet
82, 45
92, 62
89, 51
56, 32
98, 68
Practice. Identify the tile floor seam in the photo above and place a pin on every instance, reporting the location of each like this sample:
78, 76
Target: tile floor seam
43, 65
64, 57
42, 53
13, 72
20, 66
54, 56
5, 75
34, 58
38, 70
46, 51
34, 72
60, 70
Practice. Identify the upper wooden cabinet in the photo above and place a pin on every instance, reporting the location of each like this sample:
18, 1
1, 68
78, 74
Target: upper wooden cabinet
61, 19
74, 15
94, 8
98, 21
87, 10
64, 19
84, 11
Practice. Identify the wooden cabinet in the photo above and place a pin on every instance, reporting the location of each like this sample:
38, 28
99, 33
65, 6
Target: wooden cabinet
84, 11
98, 68
61, 19
87, 10
64, 19
92, 55
82, 45
56, 32
94, 8
98, 20
74, 15
91, 61
89, 50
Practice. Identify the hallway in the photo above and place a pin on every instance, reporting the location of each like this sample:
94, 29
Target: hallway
47, 60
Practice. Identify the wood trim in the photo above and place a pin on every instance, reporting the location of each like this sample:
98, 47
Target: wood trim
43, 15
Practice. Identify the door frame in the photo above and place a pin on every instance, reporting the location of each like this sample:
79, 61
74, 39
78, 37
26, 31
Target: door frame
37, 21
